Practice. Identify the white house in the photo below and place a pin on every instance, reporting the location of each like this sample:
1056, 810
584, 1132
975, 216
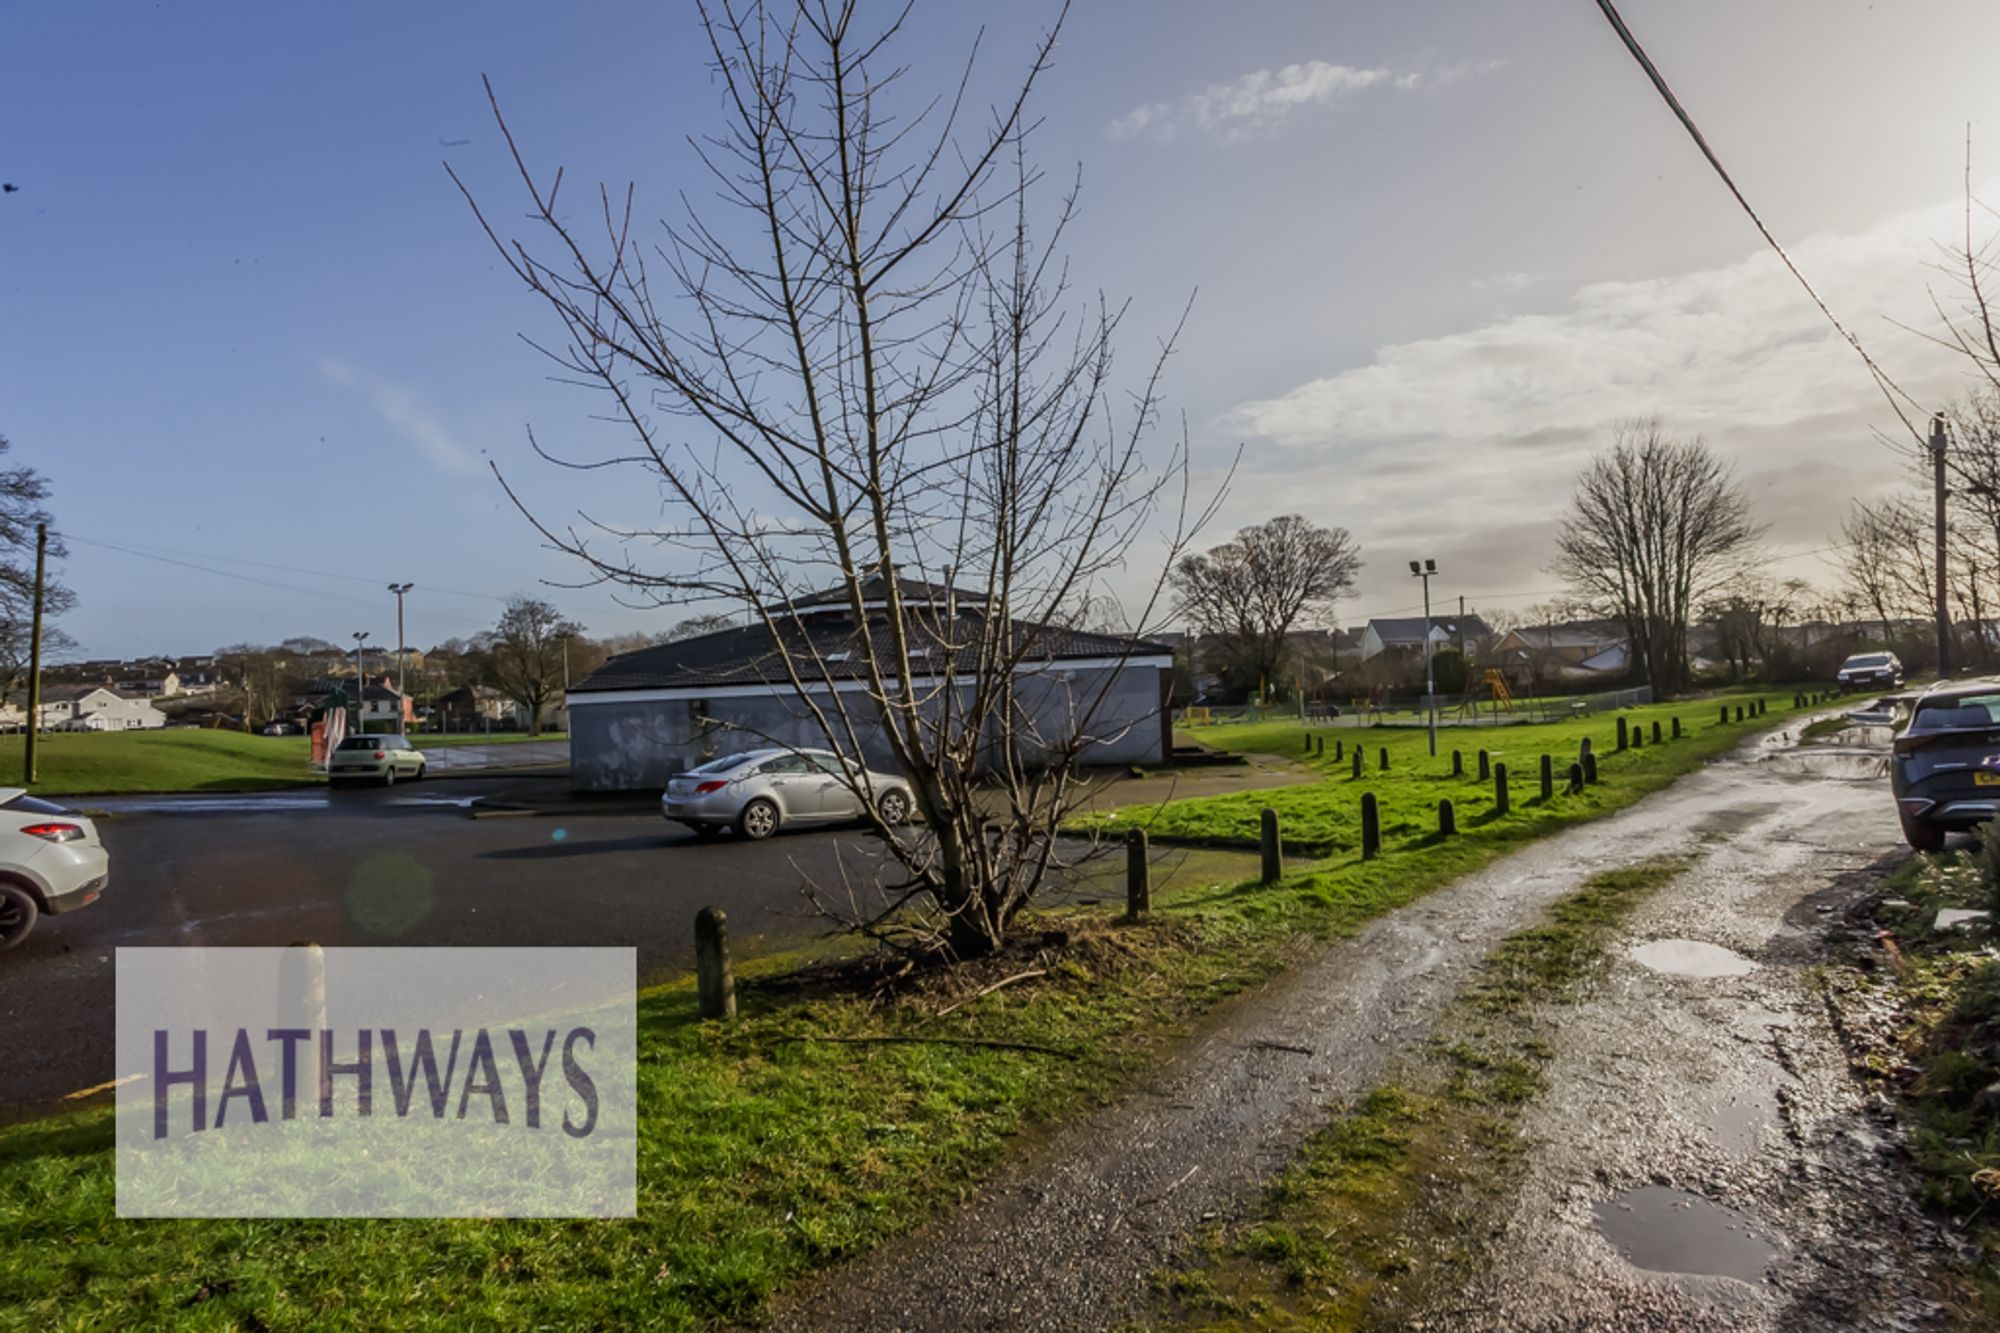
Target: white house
97, 708
1407, 634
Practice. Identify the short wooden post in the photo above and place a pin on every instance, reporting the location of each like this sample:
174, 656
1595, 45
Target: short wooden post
1458, 763
715, 984
1385, 759
1623, 730
1638, 737
1677, 727
1501, 804
1321, 752
1447, 818
1576, 779
1357, 761
1485, 766
1309, 745
1339, 750
1548, 777
1267, 838
1725, 715
1138, 875
1371, 827
1656, 733
1739, 712
1590, 768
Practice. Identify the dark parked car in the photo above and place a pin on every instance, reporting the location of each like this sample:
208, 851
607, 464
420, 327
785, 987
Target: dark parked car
1946, 766
1868, 671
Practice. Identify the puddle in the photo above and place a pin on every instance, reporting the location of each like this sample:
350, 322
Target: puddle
1691, 958
1672, 1231
1844, 764
249, 803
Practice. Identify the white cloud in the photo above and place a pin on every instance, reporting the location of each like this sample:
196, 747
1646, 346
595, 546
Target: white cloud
407, 414
1443, 442
1261, 101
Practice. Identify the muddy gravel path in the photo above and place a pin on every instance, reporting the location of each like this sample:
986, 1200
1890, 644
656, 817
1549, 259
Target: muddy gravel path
1068, 1235
1702, 1157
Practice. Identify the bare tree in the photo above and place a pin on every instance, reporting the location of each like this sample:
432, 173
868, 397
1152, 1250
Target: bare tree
23, 496
525, 655
864, 371
1249, 592
1655, 526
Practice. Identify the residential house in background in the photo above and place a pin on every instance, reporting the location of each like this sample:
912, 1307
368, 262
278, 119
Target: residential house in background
1406, 634
97, 708
1577, 651
382, 707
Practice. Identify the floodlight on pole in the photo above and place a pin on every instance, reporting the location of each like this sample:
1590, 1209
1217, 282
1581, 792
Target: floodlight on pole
360, 680
1425, 570
402, 649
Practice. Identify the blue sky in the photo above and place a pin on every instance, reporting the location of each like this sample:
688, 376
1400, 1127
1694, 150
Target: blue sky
246, 321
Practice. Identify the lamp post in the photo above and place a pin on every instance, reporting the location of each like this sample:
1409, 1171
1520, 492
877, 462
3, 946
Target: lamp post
1423, 570
1937, 445
401, 649
360, 681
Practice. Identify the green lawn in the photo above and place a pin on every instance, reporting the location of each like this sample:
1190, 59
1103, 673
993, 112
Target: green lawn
1324, 818
73, 763
764, 1152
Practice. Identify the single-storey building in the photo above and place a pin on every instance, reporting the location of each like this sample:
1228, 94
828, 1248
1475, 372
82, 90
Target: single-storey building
646, 715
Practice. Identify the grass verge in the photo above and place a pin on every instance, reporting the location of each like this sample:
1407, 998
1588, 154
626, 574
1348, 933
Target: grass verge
765, 1152
1919, 1007
1380, 1208
166, 760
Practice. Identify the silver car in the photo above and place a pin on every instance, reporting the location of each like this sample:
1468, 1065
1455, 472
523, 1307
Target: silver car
380, 758
758, 792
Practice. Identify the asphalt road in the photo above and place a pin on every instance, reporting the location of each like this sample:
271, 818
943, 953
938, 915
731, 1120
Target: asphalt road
407, 866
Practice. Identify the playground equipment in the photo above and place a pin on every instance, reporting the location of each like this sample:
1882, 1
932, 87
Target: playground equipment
1496, 693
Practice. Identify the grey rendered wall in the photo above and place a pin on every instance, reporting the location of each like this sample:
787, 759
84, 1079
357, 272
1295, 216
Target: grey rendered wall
620, 746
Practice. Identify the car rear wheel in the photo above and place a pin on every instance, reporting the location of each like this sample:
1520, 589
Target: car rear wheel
17, 914
389, 776
1921, 836
894, 808
422, 770
758, 821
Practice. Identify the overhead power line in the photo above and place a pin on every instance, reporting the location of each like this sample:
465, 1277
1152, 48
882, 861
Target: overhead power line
1891, 391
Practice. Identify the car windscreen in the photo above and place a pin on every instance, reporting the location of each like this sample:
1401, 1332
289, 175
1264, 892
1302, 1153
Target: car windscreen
722, 764
1969, 710
1872, 660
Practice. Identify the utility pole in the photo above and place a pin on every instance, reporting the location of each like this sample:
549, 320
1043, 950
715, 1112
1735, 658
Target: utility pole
1943, 607
399, 589
1424, 571
35, 657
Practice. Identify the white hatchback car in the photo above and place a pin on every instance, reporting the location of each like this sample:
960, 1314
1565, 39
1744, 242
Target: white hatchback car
380, 758
759, 791
50, 861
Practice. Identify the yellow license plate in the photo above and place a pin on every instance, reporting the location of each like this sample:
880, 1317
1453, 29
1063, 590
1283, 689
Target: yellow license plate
1984, 779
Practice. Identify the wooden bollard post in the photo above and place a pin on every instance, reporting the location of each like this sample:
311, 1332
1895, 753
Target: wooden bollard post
1274, 852
1385, 759
715, 984
1138, 875
1447, 818
1677, 727
1321, 753
1623, 731
1725, 715
1576, 779
1371, 827
1501, 804
1458, 763
1339, 750
1309, 745
1739, 712
1590, 768
1485, 766
1357, 761
1548, 777
1638, 737
1656, 733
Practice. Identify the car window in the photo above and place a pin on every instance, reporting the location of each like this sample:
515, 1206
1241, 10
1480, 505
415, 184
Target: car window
361, 742
721, 763
1978, 710
825, 763
784, 763
1872, 660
